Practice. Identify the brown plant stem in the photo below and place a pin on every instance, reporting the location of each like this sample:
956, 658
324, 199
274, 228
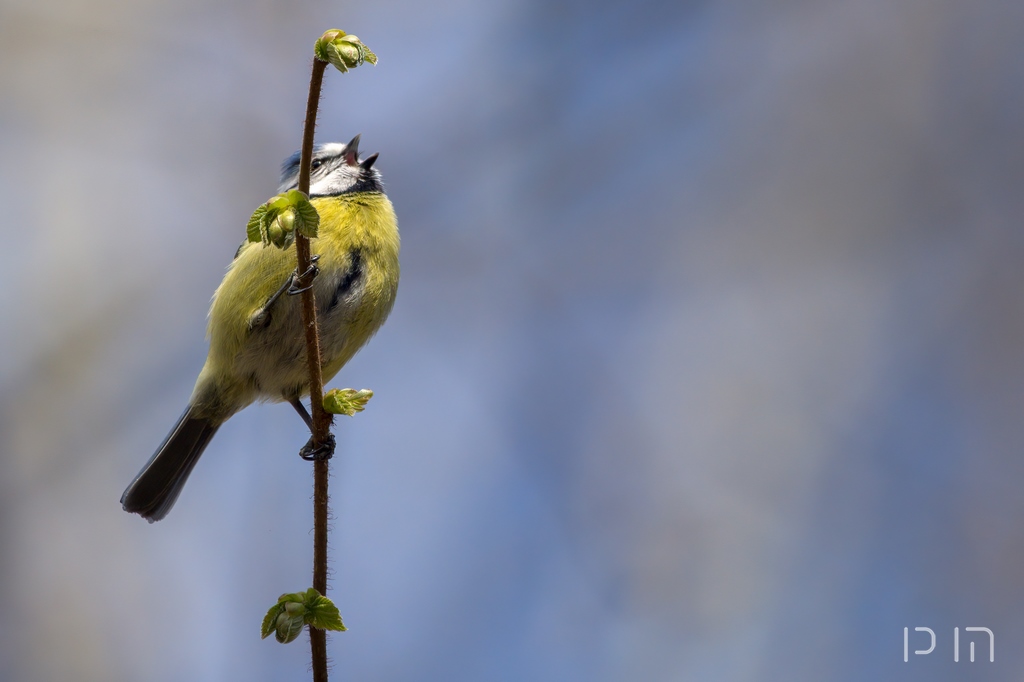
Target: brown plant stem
321, 419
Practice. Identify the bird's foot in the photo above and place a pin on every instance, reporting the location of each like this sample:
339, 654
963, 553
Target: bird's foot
324, 451
304, 282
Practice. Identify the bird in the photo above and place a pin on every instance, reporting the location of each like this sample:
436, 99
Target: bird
257, 344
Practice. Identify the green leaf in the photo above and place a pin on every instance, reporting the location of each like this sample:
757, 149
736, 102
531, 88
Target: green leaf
307, 219
254, 230
323, 614
270, 620
346, 401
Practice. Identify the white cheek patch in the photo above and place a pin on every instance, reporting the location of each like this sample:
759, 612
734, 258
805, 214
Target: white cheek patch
340, 179
331, 152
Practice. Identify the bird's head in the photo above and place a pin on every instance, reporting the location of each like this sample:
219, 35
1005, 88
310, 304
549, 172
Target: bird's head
335, 169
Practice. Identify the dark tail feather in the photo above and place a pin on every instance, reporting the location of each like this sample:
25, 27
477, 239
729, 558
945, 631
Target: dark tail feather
153, 492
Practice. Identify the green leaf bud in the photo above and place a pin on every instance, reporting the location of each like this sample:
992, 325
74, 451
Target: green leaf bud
344, 51
332, 35
276, 235
277, 221
286, 220
292, 611
288, 627
346, 401
348, 52
320, 47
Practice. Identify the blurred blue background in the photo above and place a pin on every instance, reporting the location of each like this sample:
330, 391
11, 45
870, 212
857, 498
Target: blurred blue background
707, 361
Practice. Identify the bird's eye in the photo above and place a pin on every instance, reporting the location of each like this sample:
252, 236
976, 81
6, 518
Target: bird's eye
316, 164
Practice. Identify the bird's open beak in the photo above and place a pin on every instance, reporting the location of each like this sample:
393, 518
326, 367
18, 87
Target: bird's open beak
367, 163
352, 151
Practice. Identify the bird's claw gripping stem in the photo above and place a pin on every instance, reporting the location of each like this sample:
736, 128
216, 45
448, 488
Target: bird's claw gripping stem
324, 451
305, 279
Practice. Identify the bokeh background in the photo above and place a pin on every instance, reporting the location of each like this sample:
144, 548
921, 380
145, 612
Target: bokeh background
707, 362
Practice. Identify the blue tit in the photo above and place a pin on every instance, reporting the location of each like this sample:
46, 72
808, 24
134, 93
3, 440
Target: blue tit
257, 344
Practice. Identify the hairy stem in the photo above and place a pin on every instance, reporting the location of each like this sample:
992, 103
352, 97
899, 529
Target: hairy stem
321, 419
